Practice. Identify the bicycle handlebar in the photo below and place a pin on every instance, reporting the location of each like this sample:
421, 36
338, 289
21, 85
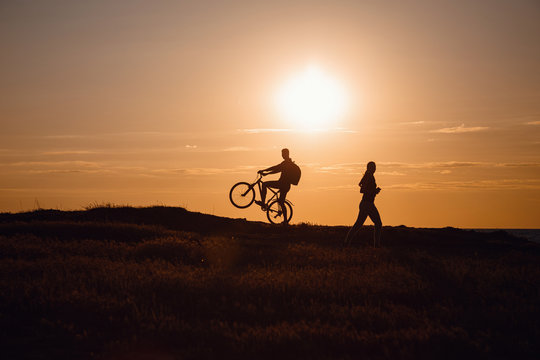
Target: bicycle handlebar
258, 178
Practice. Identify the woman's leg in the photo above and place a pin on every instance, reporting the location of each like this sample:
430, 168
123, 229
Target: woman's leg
376, 218
362, 216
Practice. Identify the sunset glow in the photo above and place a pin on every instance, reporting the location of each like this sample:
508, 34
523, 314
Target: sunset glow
145, 103
311, 99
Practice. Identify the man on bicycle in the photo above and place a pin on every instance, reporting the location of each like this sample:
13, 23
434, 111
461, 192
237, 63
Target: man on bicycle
283, 184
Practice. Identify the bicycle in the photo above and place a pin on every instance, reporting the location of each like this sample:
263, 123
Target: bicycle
242, 195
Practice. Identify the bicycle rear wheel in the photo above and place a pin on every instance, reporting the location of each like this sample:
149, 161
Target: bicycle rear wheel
242, 195
275, 214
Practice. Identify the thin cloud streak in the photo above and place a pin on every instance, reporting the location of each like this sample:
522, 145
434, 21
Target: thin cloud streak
262, 131
70, 152
386, 167
360, 167
54, 163
434, 165
204, 171
392, 173
79, 167
460, 129
532, 164
504, 184
128, 134
351, 168
270, 130
240, 149
201, 149
67, 171
421, 122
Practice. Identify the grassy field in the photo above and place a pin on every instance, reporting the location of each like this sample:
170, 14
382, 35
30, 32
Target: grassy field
165, 283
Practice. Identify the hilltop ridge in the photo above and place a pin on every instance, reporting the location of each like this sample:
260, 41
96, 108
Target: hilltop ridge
180, 219
163, 282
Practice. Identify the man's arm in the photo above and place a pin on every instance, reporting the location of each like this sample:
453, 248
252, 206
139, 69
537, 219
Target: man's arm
271, 170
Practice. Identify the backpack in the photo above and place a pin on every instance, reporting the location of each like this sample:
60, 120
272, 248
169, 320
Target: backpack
294, 173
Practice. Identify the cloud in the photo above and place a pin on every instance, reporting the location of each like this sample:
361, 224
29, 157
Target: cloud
521, 165
238, 149
227, 149
433, 165
351, 168
460, 129
269, 130
393, 168
204, 171
476, 185
72, 167
263, 130
343, 130
68, 171
457, 164
412, 123
87, 167
69, 152
332, 188
190, 146
385, 168
533, 123
67, 136
131, 135
55, 163
465, 185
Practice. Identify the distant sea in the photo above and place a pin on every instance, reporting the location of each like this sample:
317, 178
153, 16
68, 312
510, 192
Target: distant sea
529, 234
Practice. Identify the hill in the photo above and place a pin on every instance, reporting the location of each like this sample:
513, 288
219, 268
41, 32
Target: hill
161, 282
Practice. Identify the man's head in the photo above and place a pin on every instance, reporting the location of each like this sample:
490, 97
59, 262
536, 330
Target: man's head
371, 167
285, 154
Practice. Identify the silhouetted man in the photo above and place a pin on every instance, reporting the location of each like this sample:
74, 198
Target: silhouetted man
283, 184
367, 206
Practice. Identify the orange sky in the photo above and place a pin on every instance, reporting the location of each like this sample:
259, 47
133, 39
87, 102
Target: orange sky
164, 102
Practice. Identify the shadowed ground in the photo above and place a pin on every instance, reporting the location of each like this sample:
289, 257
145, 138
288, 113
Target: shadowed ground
160, 282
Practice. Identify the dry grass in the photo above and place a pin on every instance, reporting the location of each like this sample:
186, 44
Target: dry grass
110, 290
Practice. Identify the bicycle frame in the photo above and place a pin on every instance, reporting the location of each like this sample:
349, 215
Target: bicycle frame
275, 193
243, 194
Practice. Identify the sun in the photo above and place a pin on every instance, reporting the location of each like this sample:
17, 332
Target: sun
311, 100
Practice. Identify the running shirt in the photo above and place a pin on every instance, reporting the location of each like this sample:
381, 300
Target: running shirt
368, 187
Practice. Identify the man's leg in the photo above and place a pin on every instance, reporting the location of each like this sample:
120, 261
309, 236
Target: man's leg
376, 218
282, 195
263, 192
362, 216
264, 185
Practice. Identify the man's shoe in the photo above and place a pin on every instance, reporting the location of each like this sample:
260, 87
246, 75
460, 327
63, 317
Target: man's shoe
261, 204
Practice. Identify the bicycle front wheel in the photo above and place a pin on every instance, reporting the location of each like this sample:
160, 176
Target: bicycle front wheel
274, 213
242, 195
